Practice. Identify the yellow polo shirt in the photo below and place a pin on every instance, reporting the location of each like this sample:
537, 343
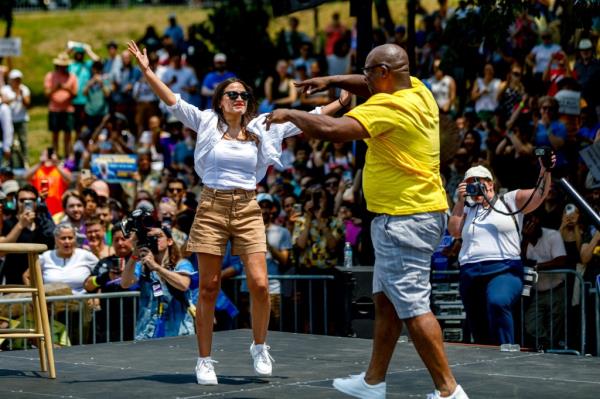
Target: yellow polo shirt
402, 167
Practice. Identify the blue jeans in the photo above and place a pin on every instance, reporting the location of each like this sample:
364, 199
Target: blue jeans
489, 291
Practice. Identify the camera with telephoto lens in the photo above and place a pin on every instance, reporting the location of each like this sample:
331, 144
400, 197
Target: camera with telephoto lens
545, 155
140, 222
475, 189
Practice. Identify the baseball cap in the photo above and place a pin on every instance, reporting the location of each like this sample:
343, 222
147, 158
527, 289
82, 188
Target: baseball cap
220, 57
585, 44
15, 74
264, 197
478, 171
10, 186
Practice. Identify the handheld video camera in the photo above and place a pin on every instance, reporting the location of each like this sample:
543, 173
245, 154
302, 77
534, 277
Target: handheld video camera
545, 154
140, 222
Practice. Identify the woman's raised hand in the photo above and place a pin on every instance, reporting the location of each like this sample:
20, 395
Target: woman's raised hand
140, 56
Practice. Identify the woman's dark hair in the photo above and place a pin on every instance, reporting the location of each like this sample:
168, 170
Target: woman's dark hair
251, 109
29, 188
525, 126
91, 193
70, 194
173, 251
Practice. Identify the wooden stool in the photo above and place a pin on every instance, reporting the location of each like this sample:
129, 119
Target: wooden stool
41, 332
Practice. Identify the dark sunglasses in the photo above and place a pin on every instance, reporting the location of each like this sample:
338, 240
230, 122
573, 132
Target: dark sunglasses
331, 184
232, 95
174, 190
516, 73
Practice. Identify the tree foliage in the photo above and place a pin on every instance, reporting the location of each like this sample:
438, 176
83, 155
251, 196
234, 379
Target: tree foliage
238, 28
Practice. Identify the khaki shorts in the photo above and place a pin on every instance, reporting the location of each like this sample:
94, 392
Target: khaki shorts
224, 215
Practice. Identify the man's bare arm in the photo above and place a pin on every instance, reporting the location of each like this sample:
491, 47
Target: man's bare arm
355, 84
320, 126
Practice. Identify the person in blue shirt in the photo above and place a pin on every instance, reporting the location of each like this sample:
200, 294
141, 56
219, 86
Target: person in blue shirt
212, 79
174, 31
550, 132
82, 69
164, 279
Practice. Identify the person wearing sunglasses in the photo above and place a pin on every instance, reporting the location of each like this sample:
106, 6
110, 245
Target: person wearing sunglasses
402, 184
176, 191
511, 91
31, 223
551, 132
233, 151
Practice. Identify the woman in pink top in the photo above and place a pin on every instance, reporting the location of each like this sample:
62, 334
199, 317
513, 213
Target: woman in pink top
61, 86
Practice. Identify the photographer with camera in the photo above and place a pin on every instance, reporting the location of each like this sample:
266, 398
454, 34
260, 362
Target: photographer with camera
491, 271
106, 277
31, 224
164, 279
545, 249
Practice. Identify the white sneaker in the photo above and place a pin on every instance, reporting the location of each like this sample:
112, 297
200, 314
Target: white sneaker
356, 386
458, 393
205, 371
262, 360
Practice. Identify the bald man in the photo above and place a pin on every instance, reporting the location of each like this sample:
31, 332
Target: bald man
402, 185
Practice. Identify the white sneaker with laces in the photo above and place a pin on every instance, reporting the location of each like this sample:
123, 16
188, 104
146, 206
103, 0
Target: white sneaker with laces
205, 371
356, 386
263, 366
458, 393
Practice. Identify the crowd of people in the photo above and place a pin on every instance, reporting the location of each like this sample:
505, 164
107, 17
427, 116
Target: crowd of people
532, 92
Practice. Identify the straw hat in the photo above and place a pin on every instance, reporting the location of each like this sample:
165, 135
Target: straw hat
62, 60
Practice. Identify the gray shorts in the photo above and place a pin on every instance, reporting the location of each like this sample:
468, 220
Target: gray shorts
403, 248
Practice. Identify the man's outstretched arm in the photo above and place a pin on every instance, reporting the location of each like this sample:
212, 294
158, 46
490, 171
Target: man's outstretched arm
320, 126
355, 84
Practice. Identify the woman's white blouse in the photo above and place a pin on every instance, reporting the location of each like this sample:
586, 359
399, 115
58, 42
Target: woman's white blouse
205, 123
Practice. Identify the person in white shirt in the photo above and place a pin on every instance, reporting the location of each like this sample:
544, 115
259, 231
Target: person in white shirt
485, 93
18, 97
540, 56
544, 318
181, 79
491, 271
67, 264
233, 151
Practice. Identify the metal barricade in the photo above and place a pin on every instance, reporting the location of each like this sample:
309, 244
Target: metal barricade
79, 316
544, 306
293, 296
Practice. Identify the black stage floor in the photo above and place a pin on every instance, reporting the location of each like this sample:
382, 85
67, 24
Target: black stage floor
305, 366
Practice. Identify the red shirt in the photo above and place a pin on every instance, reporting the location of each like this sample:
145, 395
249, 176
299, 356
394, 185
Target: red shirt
56, 186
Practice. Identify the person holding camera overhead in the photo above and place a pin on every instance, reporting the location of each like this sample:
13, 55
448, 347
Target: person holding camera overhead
164, 280
233, 152
31, 224
491, 271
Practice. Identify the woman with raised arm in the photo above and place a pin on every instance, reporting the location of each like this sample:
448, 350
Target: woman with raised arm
233, 151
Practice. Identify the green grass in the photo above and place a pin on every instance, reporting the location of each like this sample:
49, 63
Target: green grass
44, 35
